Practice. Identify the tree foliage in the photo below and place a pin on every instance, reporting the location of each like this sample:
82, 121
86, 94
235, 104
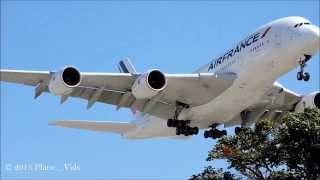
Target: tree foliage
212, 173
287, 149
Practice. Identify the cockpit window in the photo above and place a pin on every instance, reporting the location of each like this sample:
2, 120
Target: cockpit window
300, 24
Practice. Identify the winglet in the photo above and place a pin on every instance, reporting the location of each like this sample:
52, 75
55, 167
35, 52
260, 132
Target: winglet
125, 66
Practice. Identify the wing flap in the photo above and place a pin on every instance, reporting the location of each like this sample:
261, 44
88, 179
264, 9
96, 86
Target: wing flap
114, 127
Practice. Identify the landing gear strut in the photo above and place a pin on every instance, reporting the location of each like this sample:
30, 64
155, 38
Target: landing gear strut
301, 74
182, 126
214, 132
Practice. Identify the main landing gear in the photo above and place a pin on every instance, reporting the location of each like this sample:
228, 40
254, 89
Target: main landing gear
214, 132
182, 126
301, 74
238, 130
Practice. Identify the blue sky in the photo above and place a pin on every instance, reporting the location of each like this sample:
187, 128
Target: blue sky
176, 37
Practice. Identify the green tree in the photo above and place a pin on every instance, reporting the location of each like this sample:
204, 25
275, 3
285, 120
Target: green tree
286, 149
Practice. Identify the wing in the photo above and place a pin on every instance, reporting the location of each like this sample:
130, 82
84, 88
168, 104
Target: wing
272, 105
115, 89
280, 98
114, 127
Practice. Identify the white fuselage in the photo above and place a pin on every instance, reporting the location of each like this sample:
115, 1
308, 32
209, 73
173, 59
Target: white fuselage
258, 60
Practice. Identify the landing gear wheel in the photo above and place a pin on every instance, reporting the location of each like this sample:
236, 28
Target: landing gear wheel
178, 131
224, 133
214, 133
170, 122
299, 76
206, 134
237, 130
182, 127
306, 76
195, 130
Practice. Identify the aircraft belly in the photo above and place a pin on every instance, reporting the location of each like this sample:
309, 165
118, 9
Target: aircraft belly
225, 107
252, 83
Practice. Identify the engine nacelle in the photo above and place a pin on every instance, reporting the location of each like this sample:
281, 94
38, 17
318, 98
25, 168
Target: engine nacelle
309, 101
63, 81
149, 84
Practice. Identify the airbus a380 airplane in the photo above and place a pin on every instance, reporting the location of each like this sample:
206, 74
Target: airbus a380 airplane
237, 88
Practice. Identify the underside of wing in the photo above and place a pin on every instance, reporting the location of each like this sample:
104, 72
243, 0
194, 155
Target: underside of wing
197, 89
30, 78
272, 105
279, 98
114, 127
118, 88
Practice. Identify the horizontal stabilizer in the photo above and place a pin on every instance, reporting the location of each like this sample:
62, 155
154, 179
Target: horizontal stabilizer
114, 127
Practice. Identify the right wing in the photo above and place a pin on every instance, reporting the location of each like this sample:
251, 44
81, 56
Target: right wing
102, 126
115, 89
272, 105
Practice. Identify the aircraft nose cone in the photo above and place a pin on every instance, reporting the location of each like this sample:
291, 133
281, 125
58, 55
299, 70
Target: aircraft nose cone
312, 38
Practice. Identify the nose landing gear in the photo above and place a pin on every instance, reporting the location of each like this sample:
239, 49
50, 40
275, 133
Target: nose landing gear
301, 75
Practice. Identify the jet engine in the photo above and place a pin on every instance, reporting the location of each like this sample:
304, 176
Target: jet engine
149, 84
63, 81
309, 101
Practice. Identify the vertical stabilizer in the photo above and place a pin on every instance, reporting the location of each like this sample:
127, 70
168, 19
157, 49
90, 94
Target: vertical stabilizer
125, 66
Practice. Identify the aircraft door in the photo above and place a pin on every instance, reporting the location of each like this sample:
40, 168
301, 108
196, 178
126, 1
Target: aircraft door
277, 38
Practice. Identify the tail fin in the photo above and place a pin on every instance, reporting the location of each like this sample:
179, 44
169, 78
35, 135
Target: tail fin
125, 66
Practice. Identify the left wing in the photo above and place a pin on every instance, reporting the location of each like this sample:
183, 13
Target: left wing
115, 89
